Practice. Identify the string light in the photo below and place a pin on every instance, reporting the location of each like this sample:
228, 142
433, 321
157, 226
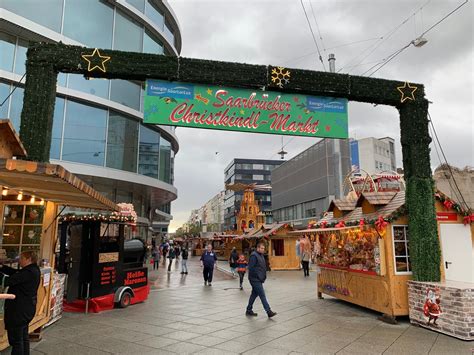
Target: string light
20, 196
32, 199
42, 202
4, 191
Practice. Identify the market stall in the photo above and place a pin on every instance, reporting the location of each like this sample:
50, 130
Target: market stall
362, 251
31, 195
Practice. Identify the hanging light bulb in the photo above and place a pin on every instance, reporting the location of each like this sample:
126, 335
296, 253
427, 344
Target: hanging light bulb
20, 196
4, 191
32, 199
42, 202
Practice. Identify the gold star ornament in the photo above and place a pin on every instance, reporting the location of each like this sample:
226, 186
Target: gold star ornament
94, 59
407, 91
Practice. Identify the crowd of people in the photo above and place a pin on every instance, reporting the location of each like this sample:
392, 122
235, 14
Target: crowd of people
173, 252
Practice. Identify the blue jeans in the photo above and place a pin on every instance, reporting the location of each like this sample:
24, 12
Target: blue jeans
258, 291
184, 265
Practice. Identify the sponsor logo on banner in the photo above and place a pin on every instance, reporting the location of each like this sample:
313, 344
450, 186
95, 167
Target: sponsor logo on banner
171, 90
318, 104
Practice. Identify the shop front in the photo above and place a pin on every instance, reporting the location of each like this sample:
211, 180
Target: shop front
32, 194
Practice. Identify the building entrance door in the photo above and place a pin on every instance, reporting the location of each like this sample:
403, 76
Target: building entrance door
457, 250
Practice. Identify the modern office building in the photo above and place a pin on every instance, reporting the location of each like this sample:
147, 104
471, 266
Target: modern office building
303, 186
98, 132
373, 155
248, 171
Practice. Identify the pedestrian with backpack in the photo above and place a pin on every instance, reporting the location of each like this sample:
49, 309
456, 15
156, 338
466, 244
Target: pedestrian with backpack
171, 256
241, 269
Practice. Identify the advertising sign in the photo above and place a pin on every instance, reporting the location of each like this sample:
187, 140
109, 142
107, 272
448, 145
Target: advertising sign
243, 110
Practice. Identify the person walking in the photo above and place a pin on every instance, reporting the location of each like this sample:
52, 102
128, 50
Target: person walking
305, 257
155, 254
208, 262
233, 260
171, 256
164, 250
241, 269
19, 312
184, 261
257, 276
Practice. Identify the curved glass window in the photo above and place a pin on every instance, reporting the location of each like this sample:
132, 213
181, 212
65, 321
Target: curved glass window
4, 92
151, 45
169, 35
165, 161
98, 87
45, 12
20, 57
57, 131
84, 134
138, 4
16, 105
7, 51
126, 93
89, 22
62, 79
122, 143
128, 34
154, 14
149, 152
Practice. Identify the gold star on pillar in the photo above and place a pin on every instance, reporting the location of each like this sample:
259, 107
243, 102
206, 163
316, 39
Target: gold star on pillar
93, 59
407, 91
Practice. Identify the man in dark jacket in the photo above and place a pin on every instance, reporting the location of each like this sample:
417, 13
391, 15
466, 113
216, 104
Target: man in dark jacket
20, 311
257, 275
208, 262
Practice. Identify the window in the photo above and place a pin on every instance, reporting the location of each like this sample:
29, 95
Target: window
258, 177
247, 166
258, 166
84, 134
128, 34
20, 57
401, 249
89, 22
56, 133
138, 4
169, 35
126, 93
278, 247
4, 92
154, 14
165, 161
151, 45
122, 143
47, 13
16, 106
149, 151
22, 230
7, 51
98, 87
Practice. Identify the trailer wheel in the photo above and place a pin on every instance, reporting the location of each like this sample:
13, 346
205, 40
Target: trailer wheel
125, 300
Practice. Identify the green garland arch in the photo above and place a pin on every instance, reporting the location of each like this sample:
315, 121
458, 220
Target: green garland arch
44, 61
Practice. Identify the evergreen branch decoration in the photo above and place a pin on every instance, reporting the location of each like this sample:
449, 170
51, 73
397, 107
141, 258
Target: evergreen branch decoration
45, 60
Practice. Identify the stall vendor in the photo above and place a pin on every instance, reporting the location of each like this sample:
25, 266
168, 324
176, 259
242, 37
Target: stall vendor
20, 311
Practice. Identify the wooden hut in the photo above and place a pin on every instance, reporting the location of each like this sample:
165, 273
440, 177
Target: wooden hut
31, 195
363, 254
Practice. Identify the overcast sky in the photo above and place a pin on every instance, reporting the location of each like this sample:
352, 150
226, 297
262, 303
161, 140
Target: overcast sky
276, 32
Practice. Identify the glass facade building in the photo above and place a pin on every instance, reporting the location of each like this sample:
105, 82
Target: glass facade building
247, 171
98, 131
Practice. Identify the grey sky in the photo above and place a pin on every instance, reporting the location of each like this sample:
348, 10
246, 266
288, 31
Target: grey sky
276, 32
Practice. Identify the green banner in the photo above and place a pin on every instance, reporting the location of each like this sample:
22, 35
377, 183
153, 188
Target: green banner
231, 109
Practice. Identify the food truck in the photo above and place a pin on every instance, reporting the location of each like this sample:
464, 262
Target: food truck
104, 270
31, 195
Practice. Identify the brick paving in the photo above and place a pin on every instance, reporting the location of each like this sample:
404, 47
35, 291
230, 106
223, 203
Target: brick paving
193, 318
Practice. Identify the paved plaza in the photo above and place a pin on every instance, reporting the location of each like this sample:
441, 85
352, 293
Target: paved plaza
183, 316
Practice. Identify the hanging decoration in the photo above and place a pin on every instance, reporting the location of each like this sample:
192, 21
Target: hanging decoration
280, 76
113, 217
407, 91
341, 224
93, 60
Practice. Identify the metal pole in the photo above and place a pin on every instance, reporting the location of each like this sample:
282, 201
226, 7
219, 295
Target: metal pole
332, 63
87, 297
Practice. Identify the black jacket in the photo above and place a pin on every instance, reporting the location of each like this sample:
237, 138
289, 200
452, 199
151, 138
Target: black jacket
257, 267
24, 285
184, 254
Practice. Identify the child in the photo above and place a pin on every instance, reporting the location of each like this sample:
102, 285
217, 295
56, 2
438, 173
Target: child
241, 268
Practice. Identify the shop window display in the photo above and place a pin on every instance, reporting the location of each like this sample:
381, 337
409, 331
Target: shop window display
22, 228
351, 249
401, 249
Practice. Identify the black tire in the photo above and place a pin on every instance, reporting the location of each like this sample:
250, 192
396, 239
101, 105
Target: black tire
125, 299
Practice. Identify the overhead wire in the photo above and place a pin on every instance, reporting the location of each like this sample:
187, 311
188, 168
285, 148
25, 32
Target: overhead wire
392, 56
14, 88
463, 201
317, 26
312, 33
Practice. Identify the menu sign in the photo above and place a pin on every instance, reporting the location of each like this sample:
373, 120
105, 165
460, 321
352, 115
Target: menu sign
108, 275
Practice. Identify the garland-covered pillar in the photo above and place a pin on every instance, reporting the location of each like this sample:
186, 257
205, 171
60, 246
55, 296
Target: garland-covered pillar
424, 243
38, 109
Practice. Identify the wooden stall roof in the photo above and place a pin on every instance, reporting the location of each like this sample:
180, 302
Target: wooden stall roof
267, 230
52, 183
305, 231
376, 198
10, 137
342, 204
